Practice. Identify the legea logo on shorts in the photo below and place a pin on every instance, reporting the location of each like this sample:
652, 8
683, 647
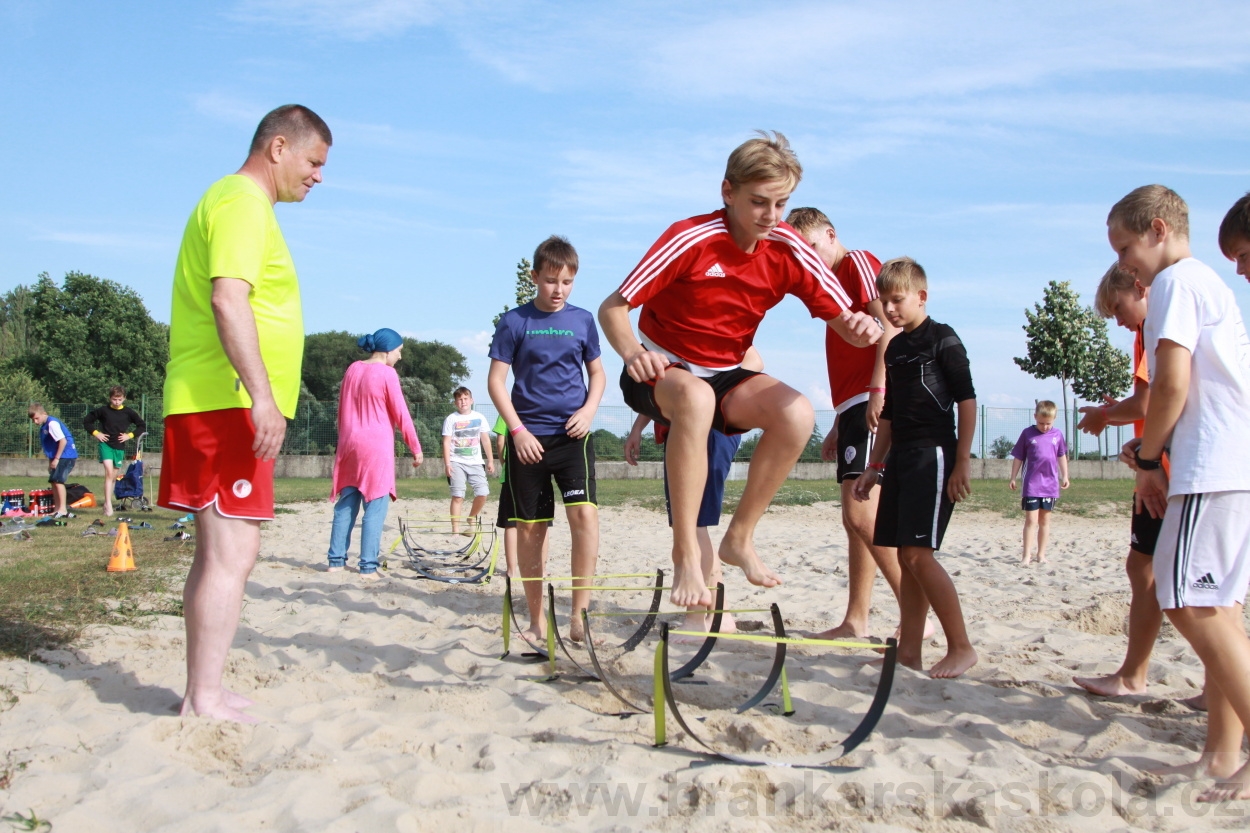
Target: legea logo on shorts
575, 493
242, 488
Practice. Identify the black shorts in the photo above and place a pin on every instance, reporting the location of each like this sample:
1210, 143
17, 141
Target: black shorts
570, 461
854, 441
505, 519
1032, 504
640, 396
914, 508
1145, 531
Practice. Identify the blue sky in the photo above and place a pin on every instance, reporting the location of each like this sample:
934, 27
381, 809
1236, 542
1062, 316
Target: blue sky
985, 140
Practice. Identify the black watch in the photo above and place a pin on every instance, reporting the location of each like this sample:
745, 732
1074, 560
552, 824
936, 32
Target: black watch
1146, 465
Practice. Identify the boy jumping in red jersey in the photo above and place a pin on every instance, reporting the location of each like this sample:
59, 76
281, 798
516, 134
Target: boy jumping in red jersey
704, 287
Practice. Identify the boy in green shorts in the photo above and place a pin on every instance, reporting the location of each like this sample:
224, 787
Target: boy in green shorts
115, 421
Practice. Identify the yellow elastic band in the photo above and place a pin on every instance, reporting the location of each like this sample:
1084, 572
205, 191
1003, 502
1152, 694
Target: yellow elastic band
789, 640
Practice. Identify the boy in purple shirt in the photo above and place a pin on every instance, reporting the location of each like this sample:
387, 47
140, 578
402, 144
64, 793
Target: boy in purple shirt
1044, 455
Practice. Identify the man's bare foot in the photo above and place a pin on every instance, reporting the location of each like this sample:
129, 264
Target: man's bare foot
334, 569
1112, 685
219, 711
370, 577
235, 700
689, 589
956, 662
749, 563
1232, 788
1198, 702
843, 631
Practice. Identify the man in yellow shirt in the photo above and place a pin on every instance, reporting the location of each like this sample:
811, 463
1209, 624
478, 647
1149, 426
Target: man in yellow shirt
236, 341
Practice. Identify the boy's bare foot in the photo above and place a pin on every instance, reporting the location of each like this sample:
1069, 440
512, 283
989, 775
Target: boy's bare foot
1233, 788
334, 569
536, 637
727, 623
929, 629
842, 631
577, 631
1198, 702
696, 621
219, 711
914, 663
748, 562
688, 587
1201, 768
956, 662
370, 577
1042, 560
1112, 685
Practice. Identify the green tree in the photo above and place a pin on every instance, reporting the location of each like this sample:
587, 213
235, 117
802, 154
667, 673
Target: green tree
90, 334
326, 357
525, 288
1058, 338
1001, 448
1108, 372
14, 341
440, 365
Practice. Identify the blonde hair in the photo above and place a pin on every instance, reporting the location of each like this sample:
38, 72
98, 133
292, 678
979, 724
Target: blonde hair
764, 159
1045, 408
807, 220
902, 274
1142, 206
1114, 281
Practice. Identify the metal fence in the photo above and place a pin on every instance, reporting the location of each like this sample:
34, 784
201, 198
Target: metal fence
313, 430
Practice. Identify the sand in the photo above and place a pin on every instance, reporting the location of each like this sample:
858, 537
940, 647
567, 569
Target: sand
387, 707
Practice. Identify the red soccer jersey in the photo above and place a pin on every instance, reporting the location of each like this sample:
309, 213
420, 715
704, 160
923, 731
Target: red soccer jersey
703, 298
850, 367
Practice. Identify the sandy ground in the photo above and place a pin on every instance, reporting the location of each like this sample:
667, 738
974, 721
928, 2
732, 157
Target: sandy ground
387, 707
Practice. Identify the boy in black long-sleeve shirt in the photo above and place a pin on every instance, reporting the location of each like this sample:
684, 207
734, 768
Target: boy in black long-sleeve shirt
115, 421
927, 381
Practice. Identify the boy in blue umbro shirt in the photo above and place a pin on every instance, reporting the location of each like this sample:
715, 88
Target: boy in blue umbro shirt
546, 344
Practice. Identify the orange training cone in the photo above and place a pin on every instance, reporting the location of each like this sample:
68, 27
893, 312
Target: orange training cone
123, 558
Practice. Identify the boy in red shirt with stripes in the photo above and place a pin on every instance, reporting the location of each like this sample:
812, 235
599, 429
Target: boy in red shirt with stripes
704, 288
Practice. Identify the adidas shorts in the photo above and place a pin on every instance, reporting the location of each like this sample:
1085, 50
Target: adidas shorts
1202, 558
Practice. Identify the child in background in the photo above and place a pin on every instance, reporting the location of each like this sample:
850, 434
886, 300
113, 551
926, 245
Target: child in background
464, 436
929, 466
58, 445
1044, 454
117, 424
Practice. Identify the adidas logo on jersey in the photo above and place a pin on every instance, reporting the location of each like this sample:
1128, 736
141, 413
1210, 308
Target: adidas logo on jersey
1207, 582
715, 271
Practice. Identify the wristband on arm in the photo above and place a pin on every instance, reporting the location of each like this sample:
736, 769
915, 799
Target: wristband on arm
514, 431
876, 390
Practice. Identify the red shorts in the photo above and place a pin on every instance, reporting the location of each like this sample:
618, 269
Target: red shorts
208, 458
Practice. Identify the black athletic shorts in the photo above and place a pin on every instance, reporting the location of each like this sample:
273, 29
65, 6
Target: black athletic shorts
854, 441
640, 396
570, 461
505, 519
1033, 504
1145, 531
914, 509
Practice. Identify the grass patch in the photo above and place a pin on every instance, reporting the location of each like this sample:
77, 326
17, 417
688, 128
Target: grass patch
55, 585
1085, 498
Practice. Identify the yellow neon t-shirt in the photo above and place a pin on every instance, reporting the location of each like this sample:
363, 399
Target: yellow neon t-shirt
233, 233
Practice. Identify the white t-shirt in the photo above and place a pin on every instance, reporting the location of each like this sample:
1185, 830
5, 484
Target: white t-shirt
54, 431
1210, 446
466, 432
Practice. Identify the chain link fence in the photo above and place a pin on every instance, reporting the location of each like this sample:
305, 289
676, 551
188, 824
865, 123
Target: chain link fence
313, 431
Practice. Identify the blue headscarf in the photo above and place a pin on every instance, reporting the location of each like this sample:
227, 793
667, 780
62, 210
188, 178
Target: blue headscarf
383, 341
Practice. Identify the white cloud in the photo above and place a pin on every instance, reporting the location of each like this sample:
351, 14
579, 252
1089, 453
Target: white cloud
228, 108
352, 19
476, 344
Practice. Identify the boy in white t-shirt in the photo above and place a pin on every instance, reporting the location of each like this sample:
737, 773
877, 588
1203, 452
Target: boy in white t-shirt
465, 434
1199, 357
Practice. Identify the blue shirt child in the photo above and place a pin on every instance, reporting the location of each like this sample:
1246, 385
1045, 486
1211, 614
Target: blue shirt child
50, 435
547, 351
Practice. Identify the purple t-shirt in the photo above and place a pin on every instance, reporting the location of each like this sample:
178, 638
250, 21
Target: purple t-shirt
1040, 453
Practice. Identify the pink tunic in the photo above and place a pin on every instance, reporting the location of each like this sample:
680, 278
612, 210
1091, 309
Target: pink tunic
371, 407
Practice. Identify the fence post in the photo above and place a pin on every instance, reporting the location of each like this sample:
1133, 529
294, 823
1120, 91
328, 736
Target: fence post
984, 426
30, 435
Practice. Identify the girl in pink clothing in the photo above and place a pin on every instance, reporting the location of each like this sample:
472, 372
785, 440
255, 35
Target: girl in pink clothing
371, 407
